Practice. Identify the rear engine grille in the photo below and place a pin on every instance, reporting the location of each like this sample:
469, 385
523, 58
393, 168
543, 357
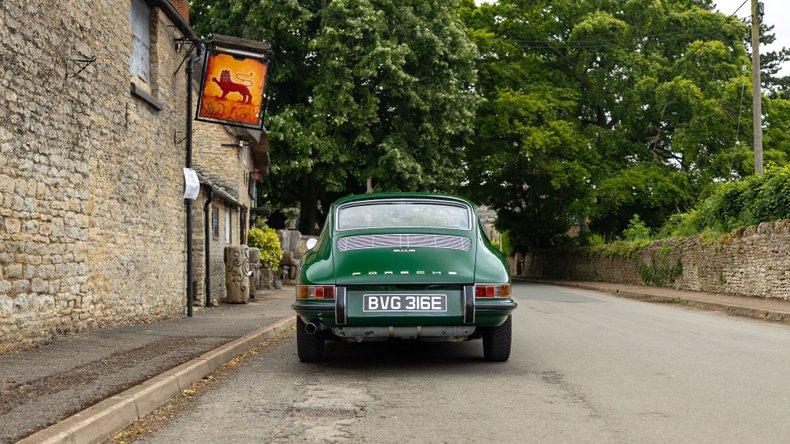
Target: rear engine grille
404, 241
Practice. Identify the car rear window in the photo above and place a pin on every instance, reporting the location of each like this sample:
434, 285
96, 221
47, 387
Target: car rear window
403, 214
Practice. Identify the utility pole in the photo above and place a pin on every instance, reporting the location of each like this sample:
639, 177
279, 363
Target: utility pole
757, 108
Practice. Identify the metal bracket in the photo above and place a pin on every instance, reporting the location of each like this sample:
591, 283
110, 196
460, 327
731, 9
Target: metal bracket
177, 134
240, 144
84, 63
193, 43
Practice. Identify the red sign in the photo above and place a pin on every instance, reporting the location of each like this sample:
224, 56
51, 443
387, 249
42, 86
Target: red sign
232, 89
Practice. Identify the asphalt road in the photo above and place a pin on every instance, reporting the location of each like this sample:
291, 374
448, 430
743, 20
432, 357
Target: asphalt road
585, 367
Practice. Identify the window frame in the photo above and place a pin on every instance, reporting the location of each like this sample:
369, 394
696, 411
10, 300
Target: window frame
228, 226
141, 16
215, 222
469, 213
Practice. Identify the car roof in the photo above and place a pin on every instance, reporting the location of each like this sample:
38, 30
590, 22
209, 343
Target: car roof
402, 195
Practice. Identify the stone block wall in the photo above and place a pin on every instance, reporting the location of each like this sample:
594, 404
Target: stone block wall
217, 247
752, 261
219, 159
91, 209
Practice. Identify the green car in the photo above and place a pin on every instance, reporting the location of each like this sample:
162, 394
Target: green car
403, 265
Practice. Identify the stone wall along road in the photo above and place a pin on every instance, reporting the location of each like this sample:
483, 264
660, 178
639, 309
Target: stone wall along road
751, 261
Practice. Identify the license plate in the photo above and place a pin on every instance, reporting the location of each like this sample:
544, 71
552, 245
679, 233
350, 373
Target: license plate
404, 302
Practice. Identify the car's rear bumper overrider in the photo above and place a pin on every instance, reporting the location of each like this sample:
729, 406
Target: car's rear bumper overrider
476, 311
302, 307
495, 306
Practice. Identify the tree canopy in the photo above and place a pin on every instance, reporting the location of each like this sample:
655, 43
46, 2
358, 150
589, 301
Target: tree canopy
560, 115
377, 91
598, 110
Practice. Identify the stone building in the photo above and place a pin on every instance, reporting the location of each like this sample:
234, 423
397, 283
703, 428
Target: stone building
487, 220
92, 223
229, 162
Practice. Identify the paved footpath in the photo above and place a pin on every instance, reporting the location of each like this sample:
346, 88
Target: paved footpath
586, 367
42, 385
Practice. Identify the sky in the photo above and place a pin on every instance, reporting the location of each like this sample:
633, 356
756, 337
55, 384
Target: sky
776, 14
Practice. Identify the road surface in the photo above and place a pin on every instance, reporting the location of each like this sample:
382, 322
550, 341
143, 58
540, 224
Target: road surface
585, 367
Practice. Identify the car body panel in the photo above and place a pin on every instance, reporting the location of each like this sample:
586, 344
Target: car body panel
401, 268
404, 266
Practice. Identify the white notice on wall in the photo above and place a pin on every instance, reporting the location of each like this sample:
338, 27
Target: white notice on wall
191, 184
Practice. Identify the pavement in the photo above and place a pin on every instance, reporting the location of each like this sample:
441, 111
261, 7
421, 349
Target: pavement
754, 307
43, 385
585, 367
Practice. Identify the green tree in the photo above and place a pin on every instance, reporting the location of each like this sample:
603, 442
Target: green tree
777, 132
636, 229
265, 239
596, 110
362, 91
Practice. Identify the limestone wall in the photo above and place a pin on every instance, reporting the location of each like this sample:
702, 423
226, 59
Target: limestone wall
220, 163
219, 159
217, 247
91, 209
752, 261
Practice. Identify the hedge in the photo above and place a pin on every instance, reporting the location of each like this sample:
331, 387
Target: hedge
749, 201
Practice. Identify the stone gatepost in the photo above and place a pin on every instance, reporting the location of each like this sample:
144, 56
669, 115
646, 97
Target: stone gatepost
237, 274
255, 269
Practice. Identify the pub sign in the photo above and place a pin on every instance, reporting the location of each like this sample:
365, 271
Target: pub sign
233, 86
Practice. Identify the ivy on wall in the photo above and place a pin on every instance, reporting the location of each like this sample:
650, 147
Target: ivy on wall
661, 270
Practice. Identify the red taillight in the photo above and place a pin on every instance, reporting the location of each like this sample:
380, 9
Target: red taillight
492, 290
315, 292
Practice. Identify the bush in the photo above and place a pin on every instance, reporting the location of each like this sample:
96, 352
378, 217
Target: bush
737, 204
636, 229
620, 248
265, 239
504, 244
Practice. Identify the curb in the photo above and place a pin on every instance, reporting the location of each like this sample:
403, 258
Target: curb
98, 422
737, 310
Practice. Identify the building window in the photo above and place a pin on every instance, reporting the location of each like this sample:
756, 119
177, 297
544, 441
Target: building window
215, 223
242, 226
140, 65
228, 225
252, 189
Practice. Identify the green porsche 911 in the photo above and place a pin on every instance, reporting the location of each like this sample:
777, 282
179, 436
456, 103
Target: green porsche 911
403, 265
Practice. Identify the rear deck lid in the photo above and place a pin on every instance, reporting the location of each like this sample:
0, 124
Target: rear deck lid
404, 258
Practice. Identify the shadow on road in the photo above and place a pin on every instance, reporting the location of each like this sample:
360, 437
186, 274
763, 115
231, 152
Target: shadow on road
403, 353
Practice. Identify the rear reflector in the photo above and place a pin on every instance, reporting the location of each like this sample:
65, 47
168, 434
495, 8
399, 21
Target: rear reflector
315, 292
492, 290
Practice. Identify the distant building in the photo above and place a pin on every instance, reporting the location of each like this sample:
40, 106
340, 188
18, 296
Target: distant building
488, 219
230, 162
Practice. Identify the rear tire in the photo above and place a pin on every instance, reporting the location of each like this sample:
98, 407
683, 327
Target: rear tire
496, 341
310, 348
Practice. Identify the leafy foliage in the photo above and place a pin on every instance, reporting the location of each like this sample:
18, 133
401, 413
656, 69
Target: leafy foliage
736, 204
266, 240
662, 270
636, 229
362, 90
582, 113
503, 244
598, 110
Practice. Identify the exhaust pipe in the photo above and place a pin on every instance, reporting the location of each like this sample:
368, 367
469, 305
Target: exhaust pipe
311, 328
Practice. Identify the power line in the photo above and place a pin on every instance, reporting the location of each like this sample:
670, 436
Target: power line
737, 9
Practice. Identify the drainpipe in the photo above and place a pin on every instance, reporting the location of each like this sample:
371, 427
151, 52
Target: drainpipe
243, 224
188, 163
207, 244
